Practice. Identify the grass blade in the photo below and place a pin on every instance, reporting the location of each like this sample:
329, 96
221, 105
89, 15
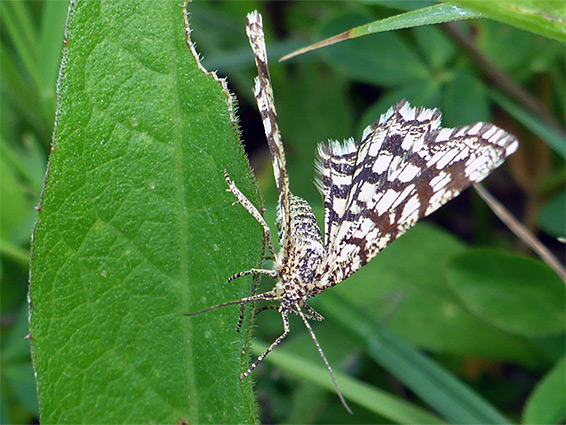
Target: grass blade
545, 132
441, 390
436, 14
373, 399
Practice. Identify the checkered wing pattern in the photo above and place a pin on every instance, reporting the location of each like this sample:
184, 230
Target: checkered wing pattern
405, 167
263, 93
335, 167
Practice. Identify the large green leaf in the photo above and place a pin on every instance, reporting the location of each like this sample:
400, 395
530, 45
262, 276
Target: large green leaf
136, 229
519, 295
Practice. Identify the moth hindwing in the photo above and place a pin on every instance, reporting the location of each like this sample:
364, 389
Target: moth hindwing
405, 167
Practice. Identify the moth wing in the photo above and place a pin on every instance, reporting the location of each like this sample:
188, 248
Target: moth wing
407, 167
263, 93
335, 164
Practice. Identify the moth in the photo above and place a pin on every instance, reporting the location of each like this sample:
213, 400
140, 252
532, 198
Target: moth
405, 167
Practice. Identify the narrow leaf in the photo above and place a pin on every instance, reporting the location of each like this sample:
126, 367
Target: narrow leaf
20, 94
50, 41
436, 14
553, 139
17, 22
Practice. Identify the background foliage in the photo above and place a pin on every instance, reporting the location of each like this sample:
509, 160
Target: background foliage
459, 287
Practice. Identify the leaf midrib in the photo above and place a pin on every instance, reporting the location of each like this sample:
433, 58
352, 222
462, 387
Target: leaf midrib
184, 234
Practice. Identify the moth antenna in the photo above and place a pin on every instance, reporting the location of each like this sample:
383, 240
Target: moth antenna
313, 336
267, 296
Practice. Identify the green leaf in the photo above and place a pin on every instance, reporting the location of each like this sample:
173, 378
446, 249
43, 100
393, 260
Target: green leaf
519, 295
14, 252
50, 41
17, 21
552, 218
363, 59
540, 17
436, 14
21, 96
136, 229
18, 381
466, 100
530, 53
11, 194
547, 403
435, 47
22, 171
403, 5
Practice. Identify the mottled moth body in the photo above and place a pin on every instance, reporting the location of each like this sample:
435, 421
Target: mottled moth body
405, 167
304, 254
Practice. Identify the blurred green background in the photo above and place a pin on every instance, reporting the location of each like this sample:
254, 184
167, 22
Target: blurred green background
333, 94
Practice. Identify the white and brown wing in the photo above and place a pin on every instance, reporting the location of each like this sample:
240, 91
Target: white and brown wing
406, 167
263, 93
335, 165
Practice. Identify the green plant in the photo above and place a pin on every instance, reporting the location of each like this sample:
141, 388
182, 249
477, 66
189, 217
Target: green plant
135, 228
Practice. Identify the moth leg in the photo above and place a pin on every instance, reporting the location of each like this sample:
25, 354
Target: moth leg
272, 273
250, 208
240, 323
266, 307
255, 272
271, 347
242, 306
312, 314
